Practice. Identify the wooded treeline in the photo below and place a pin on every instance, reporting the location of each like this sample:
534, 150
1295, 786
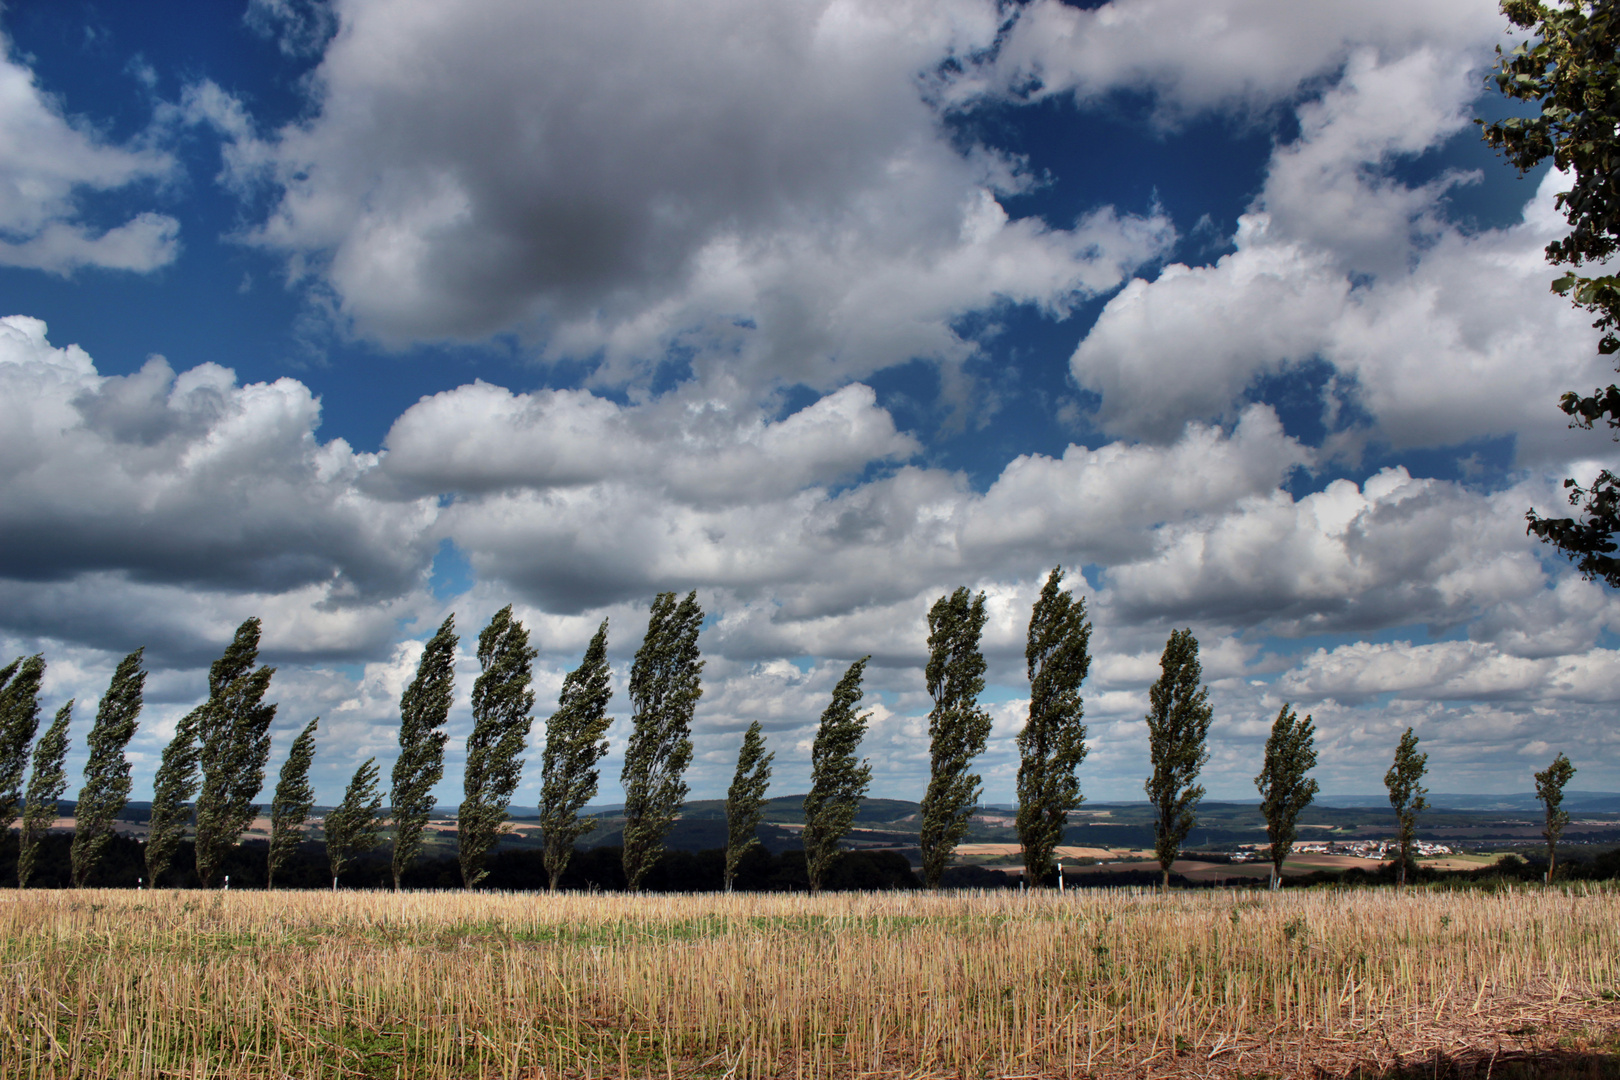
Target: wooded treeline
213, 768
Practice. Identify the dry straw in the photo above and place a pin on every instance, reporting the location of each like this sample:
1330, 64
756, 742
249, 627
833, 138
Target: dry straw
424, 985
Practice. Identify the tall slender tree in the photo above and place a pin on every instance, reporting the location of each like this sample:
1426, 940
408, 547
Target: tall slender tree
353, 827
957, 727
292, 802
172, 789
106, 773
423, 710
1053, 742
235, 749
501, 700
1284, 788
19, 720
1404, 781
575, 742
46, 783
1178, 729
665, 684
745, 800
838, 781
1550, 790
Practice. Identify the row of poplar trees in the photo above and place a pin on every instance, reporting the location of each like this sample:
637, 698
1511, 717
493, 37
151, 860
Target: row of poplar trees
220, 749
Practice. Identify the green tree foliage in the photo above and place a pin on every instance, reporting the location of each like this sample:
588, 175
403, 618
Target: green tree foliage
172, 789
838, 781
1053, 742
1550, 790
235, 734
19, 720
1178, 729
1284, 788
1404, 781
745, 800
1571, 74
353, 827
665, 685
501, 700
292, 802
575, 742
423, 710
45, 786
106, 773
957, 727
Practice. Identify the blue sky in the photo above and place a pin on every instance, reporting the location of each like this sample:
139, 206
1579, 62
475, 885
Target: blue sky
355, 315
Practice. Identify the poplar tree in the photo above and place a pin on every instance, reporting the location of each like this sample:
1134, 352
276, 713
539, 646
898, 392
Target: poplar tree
235, 732
575, 742
173, 787
665, 685
1178, 727
1406, 794
19, 720
352, 828
423, 711
106, 773
1053, 743
501, 700
1550, 790
292, 802
1284, 788
745, 799
957, 727
46, 783
838, 781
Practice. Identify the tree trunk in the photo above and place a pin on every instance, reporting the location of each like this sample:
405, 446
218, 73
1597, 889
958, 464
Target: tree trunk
1166, 878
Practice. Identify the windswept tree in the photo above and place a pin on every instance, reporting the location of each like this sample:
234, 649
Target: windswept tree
235, 734
576, 739
423, 710
501, 700
1053, 743
745, 799
106, 773
292, 802
46, 783
1178, 730
1284, 788
353, 826
19, 720
1404, 781
1550, 790
665, 684
838, 780
957, 727
172, 789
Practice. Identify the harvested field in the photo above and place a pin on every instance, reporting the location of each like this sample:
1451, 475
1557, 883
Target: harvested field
1107, 983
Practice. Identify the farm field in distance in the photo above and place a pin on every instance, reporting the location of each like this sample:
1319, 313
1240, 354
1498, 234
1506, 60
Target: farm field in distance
1093, 983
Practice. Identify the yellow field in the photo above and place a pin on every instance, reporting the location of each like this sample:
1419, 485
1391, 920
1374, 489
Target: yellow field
430, 985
